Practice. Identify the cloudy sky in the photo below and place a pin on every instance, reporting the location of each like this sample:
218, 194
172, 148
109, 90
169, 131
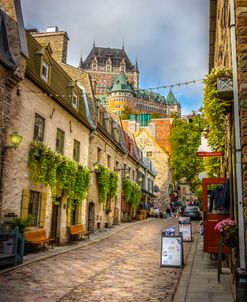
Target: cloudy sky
168, 37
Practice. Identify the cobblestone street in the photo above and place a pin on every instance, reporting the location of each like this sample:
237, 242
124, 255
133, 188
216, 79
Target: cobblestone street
123, 267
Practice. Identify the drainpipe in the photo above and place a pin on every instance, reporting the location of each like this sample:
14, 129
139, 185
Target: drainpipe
237, 139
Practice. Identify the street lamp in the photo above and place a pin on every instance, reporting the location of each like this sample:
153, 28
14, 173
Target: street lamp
15, 139
124, 170
95, 168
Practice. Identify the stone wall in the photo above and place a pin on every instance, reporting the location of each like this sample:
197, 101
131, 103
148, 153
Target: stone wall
17, 174
241, 33
58, 42
99, 140
9, 80
160, 161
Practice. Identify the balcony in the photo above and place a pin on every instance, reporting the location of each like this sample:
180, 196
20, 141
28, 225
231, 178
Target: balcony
225, 88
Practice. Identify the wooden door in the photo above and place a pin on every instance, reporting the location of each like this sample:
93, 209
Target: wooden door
211, 216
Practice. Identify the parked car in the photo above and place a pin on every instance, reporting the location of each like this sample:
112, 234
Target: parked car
193, 212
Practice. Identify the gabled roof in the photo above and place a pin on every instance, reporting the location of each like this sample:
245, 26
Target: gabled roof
58, 86
171, 100
150, 96
116, 55
120, 83
152, 139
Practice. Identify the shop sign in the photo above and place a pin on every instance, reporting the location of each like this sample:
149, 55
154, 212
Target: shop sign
184, 228
171, 251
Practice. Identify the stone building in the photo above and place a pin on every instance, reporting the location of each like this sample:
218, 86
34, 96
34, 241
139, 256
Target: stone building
104, 63
158, 128
50, 108
13, 54
108, 146
160, 161
220, 49
122, 98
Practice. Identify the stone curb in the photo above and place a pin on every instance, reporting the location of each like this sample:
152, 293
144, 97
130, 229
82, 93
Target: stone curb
78, 245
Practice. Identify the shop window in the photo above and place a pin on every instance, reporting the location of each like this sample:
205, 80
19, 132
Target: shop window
39, 126
34, 206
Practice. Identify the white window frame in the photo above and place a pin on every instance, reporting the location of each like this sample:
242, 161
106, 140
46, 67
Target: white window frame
76, 103
45, 77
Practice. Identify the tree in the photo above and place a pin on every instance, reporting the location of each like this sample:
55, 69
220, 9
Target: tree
185, 138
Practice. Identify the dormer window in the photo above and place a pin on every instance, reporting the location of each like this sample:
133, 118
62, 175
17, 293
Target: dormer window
45, 72
75, 101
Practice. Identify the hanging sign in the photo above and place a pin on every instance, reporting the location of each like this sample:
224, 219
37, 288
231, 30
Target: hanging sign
184, 227
171, 251
210, 154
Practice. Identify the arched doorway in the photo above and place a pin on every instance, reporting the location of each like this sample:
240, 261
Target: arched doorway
91, 216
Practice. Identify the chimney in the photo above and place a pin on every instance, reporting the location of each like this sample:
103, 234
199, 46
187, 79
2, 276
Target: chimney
58, 41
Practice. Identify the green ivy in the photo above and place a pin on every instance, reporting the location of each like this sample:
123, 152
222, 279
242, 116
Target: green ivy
57, 171
132, 192
216, 108
107, 183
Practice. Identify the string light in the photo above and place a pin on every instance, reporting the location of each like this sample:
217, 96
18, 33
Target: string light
174, 85
149, 89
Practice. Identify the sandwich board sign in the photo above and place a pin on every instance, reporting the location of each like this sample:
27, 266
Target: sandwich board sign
184, 227
171, 251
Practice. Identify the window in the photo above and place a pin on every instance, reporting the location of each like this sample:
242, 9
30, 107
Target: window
60, 141
109, 161
117, 105
33, 206
76, 152
149, 153
75, 101
45, 72
73, 215
99, 155
117, 165
39, 126
133, 175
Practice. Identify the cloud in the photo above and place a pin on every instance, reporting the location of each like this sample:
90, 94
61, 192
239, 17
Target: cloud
169, 37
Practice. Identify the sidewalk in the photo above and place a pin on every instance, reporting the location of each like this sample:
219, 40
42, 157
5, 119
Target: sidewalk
199, 278
60, 249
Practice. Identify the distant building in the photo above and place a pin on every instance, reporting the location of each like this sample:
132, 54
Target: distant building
104, 63
122, 98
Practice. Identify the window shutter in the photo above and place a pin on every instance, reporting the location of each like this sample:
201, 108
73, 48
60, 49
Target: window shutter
68, 216
24, 204
42, 209
79, 214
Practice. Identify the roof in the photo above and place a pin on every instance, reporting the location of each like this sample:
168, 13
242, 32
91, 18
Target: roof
120, 83
150, 96
171, 100
5, 53
59, 84
116, 55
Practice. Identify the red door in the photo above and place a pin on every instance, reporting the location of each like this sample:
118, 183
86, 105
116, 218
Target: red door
211, 216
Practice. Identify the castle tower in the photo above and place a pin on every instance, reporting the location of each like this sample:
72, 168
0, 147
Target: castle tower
104, 63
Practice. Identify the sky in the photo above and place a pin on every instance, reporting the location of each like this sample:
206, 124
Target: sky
169, 38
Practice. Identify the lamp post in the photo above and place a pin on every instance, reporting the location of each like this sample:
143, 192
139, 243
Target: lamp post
15, 140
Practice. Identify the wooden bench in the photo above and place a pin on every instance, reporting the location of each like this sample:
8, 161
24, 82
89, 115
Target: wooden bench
77, 232
36, 237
